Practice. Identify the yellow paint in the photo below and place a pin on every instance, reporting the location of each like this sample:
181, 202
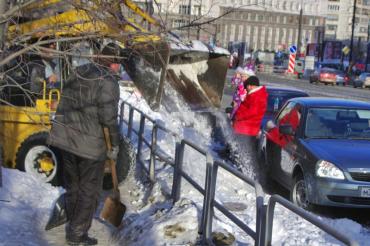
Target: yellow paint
46, 164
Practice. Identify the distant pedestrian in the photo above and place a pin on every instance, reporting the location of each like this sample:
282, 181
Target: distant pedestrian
240, 91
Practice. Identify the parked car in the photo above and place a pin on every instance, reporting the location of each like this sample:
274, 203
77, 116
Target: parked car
318, 148
277, 96
363, 80
329, 76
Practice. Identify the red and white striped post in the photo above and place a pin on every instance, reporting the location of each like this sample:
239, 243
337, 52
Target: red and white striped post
293, 52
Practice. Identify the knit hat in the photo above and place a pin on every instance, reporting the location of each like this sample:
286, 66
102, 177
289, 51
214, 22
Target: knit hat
248, 72
239, 70
252, 80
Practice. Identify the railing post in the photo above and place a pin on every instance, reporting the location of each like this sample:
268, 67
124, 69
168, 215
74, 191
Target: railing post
207, 216
269, 220
140, 136
153, 148
176, 185
130, 122
261, 209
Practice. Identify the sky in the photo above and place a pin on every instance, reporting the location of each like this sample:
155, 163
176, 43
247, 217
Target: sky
151, 218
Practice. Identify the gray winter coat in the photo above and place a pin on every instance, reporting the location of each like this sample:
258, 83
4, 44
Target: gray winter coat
88, 103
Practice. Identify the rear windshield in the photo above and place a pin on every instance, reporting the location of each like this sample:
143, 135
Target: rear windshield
275, 102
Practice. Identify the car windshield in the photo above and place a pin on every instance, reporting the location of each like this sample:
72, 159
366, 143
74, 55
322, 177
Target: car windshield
338, 123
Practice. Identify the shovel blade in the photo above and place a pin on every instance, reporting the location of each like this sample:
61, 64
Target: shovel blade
113, 211
59, 214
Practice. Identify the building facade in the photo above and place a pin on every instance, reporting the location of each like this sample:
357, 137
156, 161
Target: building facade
339, 19
268, 30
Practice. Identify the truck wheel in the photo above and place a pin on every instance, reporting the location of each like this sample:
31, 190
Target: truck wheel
126, 160
35, 157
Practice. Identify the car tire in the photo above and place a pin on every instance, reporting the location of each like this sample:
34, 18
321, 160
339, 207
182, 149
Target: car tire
126, 160
37, 158
298, 194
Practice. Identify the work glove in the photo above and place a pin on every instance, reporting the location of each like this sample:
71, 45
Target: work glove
113, 153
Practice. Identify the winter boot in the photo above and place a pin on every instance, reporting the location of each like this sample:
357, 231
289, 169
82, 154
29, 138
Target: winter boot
85, 240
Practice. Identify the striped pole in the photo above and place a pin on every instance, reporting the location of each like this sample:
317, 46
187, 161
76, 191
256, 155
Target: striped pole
291, 62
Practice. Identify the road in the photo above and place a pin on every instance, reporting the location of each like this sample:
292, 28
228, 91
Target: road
317, 90
362, 216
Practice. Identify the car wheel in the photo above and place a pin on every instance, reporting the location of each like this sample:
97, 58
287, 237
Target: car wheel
35, 157
126, 160
298, 194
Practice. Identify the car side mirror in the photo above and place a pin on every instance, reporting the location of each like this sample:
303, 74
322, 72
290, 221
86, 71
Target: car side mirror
286, 130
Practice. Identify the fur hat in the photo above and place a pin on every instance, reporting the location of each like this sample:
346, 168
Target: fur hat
248, 72
252, 80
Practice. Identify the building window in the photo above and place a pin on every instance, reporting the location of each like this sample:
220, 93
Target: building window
184, 9
179, 23
197, 10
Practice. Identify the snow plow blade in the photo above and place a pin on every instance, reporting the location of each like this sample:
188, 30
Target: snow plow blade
195, 72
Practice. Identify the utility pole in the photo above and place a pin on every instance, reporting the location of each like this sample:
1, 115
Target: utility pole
353, 31
299, 41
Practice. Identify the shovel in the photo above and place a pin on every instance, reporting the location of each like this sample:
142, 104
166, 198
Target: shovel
113, 209
59, 214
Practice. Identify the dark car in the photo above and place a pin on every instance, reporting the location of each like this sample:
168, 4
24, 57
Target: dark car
318, 148
277, 96
329, 76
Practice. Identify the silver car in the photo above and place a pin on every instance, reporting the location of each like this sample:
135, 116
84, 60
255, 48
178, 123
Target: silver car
364, 78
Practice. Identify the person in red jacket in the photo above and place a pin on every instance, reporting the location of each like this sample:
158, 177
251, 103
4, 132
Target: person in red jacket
247, 123
249, 115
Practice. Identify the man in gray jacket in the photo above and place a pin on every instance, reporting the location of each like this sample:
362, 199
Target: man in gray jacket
89, 102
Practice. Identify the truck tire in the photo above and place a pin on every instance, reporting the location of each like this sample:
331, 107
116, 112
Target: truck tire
44, 162
126, 161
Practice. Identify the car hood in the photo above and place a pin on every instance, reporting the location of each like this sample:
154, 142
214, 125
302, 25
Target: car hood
345, 153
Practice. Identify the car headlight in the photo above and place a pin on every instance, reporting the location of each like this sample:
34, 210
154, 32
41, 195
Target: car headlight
326, 169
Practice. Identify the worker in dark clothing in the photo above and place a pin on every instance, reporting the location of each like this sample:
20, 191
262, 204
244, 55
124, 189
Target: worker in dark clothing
89, 102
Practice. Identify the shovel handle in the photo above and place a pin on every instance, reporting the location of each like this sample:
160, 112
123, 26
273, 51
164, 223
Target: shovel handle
112, 162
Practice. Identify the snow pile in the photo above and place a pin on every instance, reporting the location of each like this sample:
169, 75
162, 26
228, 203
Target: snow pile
25, 204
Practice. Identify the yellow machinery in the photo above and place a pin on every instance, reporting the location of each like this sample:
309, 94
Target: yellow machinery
150, 60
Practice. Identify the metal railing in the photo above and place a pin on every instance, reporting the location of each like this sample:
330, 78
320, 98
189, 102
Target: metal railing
262, 234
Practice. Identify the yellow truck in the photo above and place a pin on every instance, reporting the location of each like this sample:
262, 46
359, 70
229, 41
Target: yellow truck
24, 127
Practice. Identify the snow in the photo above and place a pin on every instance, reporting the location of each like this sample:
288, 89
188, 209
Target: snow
151, 219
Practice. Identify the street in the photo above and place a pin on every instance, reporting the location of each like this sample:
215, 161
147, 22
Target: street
360, 215
316, 90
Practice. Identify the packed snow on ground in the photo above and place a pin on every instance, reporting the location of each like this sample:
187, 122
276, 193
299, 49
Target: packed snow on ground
151, 218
